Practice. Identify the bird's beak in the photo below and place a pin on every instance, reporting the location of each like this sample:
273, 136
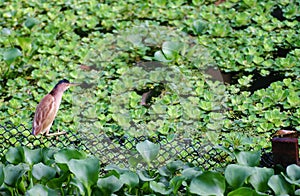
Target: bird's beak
74, 84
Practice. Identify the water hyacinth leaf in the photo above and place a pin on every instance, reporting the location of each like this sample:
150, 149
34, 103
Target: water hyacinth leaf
259, 178
1, 174
144, 176
236, 175
31, 22
41, 171
208, 183
171, 49
248, 158
175, 165
113, 167
159, 56
160, 188
79, 185
58, 182
148, 150
33, 156
13, 173
15, 155
176, 182
11, 54
86, 170
63, 156
280, 186
191, 172
293, 174
39, 189
130, 178
48, 155
243, 191
163, 171
109, 185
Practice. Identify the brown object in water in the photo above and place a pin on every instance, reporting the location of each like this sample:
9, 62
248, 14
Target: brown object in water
285, 151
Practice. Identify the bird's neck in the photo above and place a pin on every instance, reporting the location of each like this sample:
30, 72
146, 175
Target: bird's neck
57, 93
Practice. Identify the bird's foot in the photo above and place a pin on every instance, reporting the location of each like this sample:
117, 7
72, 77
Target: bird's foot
55, 134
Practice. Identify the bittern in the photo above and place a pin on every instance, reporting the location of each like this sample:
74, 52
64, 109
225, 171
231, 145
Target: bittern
47, 109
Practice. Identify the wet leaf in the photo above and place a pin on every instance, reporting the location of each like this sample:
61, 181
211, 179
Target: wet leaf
236, 175
160, 188
148, 150
41, 190
43, 172
208, 183
15, 155
248, 158
86, 170
13, 173
109, 185
11, 54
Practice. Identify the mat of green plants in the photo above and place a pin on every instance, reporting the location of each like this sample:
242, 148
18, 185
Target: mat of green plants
120, 50
71, 172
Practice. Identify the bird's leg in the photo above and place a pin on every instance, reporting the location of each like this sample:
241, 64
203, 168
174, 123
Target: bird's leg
54, 134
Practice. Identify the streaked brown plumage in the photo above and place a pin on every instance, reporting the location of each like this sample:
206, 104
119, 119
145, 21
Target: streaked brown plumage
47, 109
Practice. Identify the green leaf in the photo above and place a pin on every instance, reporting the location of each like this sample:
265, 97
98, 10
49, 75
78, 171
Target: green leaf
248, 158
41, 171
1, 174
208, 183
25, 43
191, 172
63, 156
11, 54
243, 191
130, 178
31, 22
86, 170
293, 174
176, 182
160, 188
6, 31
48, 155
13, 173
41, 190
144, 176
280, 186
174, 166
109, 185
171, 49
199, 26
113, 167
76, 182
33, 156
58, 182
236, 175
259, 178
148, 150
159, 56
15, 155
164, 171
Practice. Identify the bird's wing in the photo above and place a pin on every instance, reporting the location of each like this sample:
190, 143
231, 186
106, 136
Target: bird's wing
44, 114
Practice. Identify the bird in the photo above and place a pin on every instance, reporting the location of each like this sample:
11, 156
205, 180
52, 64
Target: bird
47, 109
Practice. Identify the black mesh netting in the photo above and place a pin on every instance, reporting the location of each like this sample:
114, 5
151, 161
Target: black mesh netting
120, 151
